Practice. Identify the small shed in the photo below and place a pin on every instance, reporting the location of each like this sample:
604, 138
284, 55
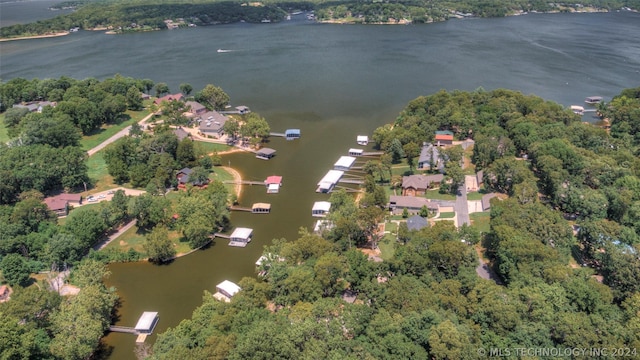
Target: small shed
265, 153
292, 134
362, 139
355, 152
344, 163
147, 322
225, 290
241, 235
320, 208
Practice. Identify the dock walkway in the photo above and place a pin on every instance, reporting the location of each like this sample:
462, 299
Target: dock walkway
123, 329
277, 134
243, 182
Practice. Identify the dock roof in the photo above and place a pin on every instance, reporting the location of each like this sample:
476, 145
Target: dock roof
321, 206
273, 179
344, 162
355, 151
292, 132
332, 177
266, 152
243, 233
261, 206
228, 287
146, 321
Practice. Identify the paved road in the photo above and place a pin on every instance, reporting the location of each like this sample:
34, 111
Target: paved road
118, 135
461, 207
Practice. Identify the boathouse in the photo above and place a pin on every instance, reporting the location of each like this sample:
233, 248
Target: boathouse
593, 99
226, 290
577, 109
355, 152
147, 322
344, 163
362, 139
330, 180
241, 235
292, 134
273, 184
261, 208
320, 208
265, 153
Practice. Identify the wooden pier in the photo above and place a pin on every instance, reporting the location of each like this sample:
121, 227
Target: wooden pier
123, 329
221, 235
257, 208
352, 181
372, 153
243, 182
277, 134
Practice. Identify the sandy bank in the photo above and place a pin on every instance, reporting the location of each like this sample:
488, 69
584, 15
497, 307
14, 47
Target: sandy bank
36, 36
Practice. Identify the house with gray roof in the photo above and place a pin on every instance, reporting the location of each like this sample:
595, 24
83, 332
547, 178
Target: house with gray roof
417, 222
413, 204
195, 108
211, 124
429, 158
417, 185
180, 133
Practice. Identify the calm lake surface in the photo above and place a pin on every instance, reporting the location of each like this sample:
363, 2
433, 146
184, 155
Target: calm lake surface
333, 82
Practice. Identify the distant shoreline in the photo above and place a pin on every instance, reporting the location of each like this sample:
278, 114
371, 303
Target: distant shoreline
63, 33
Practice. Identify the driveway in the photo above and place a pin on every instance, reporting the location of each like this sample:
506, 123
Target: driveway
118, 135
461, 207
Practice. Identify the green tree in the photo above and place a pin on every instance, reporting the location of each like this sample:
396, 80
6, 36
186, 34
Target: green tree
186, 88
213, 97
15, 269
134, 98
162, 89
158, 246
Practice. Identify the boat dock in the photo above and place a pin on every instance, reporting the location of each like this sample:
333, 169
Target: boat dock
257, 208
145, 326
289, 134
351, 181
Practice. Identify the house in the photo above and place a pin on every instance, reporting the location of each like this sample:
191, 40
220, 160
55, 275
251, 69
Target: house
362, 139
292, 134
429, 158
486, 201
273, 184
344, 163
473, 182
226, 290
35, 106
195, 108
320, 208
397, 204
443, 138
265, 153
211, 123
4, 292
184, 178
417, 222
170, 97
181, 133
60, 203
417, 185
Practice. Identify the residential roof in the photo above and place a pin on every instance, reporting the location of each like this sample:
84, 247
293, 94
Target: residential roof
180, 133
69, 197
429, 152
321, 206
444, 137
417, 222
212, 121
411, 202
185, 171
195, 107
444, 132
362, 138
479, 177
3, 289
273, 188
169, 97
146, 321
344, 162
486, 201
420, 181
242, 233
55, 204
228, 287
273, 179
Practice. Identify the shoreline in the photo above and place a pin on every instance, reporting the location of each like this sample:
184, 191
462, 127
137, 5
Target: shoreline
35, 36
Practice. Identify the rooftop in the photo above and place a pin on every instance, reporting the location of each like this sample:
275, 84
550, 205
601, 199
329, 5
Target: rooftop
321, 206
243, 233
228, 287
344, 162
273, 179
147, 321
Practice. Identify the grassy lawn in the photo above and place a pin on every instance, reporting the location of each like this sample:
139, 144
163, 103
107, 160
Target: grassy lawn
107, 131
134, 238
208, 148
474, 195
401, 169
480, 221
435, 194
387, 247
391, 227
447, 215
97, 171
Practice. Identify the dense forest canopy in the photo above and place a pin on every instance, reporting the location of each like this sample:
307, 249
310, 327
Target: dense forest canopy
146, 15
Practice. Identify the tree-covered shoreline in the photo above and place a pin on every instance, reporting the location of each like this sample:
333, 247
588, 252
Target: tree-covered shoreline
147, 15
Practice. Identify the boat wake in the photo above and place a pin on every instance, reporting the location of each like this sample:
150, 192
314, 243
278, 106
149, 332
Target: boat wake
224, 51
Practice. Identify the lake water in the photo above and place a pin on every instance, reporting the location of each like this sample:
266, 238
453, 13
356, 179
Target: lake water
333, 82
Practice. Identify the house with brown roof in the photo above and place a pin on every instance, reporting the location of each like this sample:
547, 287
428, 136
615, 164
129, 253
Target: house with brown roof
170, 97
417, 185
443, 138
397, 204
195, 108
60, 203
184, 178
